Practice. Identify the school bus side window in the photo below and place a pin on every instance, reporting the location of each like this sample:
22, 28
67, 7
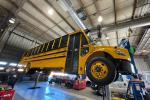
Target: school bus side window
45, 47
25, 54
84, 50
38, 50
30, 51
64, 41
56, 44
50, 45
41, 49
33, 51
84, 41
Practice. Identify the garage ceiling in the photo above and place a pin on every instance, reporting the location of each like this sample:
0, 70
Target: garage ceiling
37, 25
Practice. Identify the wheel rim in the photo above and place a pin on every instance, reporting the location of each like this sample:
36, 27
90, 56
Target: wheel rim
99, 70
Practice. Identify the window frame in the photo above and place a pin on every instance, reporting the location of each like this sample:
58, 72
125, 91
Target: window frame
83, 37
62, 44
56, 46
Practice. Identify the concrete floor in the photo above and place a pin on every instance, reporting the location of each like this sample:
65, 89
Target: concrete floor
52, 92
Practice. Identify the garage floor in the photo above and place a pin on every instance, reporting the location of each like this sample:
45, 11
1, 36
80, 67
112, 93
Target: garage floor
52, 92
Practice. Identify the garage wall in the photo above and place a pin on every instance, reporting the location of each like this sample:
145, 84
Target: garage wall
142, 64
11, 53
148, 59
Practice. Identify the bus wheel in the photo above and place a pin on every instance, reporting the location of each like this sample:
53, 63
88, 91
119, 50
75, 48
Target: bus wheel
101, 70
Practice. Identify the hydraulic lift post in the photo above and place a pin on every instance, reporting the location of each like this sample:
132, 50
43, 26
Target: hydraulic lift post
36, 81
107, 94
135, 87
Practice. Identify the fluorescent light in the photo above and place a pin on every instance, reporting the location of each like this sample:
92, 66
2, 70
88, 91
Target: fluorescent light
12, 20
20, 70
100, 19
13, 64
51, 11
20, 65
58, 74
3, 63
107, 38
144, 50
1, 68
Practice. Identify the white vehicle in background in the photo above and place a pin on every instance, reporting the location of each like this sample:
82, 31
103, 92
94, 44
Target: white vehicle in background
120, 85
145, 75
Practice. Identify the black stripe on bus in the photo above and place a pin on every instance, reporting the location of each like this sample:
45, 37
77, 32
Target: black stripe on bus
47, 54
49, 58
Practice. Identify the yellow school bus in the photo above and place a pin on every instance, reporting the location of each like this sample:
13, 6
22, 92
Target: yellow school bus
76, 54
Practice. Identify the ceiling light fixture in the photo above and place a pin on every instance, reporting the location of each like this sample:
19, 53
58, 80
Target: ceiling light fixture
20, 65
107, 38
100, 19
144, 51
3, 63
13, 64
20, 70
51, 11
12, 20
1, 68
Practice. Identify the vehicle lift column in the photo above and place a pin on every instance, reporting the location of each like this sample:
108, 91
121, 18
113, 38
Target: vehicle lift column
36, 81
126, 44
135, 87
106, 93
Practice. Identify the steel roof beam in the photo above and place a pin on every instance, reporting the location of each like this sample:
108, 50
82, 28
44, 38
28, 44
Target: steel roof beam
5, 36
35, 28
97, 11
90, 20
25, 30
72, 13
60, 15
28, 14
115, 17
135, 23
39, 10
12, 3
134, 8
26, 38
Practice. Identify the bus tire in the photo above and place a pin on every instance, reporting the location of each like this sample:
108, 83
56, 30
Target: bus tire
101, 70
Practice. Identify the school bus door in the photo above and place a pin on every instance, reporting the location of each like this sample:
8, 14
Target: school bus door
72, 60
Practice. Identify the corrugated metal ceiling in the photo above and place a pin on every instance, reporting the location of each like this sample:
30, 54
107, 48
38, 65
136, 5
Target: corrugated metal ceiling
37, 24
